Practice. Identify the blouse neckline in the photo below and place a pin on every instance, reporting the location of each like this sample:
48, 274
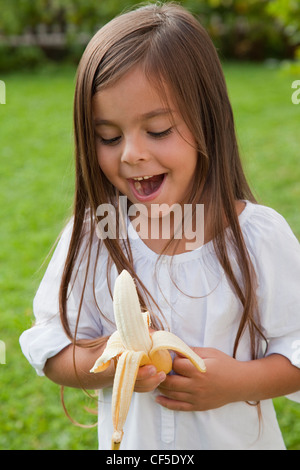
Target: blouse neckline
138, 244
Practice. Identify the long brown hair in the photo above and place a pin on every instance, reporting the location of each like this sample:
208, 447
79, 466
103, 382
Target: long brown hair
174, 49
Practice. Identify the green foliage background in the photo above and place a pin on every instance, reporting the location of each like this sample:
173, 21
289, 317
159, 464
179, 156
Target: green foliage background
241, 29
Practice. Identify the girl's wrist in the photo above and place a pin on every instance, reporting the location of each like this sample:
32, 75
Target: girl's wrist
267, 378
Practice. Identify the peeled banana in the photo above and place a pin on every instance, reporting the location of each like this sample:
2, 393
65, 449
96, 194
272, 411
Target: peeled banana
133, 346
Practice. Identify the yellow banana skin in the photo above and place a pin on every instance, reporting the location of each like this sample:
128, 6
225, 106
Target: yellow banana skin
133, 346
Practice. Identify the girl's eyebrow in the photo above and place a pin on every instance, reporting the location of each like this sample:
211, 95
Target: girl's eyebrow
155, 113
143, 117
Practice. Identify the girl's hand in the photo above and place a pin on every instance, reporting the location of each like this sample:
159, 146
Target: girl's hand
148, 379
191, 390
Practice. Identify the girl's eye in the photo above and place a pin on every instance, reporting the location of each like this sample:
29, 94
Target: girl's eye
159, 135
113, 141
116, 140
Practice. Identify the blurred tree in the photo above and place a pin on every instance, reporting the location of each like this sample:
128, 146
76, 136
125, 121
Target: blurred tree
286, 10
288, 13
20, 15
243, 29
240, 29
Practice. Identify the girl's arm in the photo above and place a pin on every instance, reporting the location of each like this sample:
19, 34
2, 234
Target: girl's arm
227, 380
60, 369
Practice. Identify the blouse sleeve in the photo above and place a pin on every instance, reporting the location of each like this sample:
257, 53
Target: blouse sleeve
276, 256
46, 337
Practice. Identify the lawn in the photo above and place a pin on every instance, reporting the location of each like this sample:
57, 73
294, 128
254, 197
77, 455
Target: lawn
36, 197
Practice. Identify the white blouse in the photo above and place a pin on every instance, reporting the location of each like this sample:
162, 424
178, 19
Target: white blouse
204, 311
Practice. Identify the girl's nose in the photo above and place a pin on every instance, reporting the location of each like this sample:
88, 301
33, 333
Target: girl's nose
134, 152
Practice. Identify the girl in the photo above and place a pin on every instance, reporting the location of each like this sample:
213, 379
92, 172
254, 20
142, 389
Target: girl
154, 128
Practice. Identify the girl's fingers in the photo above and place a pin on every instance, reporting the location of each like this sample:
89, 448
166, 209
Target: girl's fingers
171, 404
145, 372
183, 366
148, 379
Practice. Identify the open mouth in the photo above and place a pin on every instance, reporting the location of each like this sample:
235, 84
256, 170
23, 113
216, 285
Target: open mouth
146, 187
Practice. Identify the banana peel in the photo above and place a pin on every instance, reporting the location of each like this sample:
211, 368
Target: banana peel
132, 346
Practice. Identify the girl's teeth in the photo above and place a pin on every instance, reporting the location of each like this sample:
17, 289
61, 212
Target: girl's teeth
140, 178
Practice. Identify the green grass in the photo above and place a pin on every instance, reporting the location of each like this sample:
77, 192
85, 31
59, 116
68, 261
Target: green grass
36, 183
267, 125
36, 198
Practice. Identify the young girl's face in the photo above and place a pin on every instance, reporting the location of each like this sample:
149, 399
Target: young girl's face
144, 148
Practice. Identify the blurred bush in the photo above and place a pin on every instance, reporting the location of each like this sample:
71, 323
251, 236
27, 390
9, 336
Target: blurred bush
60, 29
250, 29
